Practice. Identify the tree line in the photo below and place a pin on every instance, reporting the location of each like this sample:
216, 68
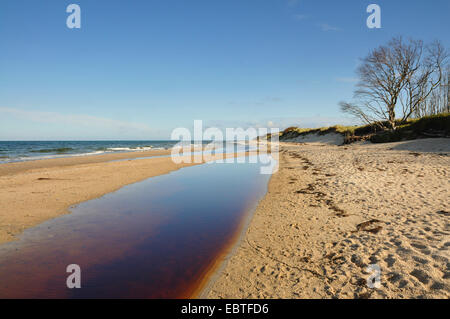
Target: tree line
401, 80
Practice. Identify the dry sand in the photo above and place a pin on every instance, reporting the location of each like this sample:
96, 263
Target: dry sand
333, 210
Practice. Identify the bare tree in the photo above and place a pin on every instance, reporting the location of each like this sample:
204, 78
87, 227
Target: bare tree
423, 84
396, 72
439, 99
447, 92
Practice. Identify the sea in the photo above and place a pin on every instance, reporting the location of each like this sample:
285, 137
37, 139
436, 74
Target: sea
18, 151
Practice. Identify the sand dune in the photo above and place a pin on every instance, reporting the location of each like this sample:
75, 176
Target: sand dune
331, 139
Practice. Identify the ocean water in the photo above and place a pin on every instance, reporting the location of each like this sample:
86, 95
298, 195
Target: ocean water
19, 151
16, 151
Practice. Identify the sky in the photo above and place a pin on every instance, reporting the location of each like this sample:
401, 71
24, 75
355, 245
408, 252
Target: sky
138, 69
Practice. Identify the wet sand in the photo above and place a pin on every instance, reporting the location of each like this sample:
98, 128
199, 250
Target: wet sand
18, 167
333, 210
35, 191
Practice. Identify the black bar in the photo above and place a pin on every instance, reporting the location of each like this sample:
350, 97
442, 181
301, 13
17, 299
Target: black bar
223, 308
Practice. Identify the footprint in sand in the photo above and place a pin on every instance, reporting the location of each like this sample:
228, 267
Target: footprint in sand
390, 260
421, 275
420, 260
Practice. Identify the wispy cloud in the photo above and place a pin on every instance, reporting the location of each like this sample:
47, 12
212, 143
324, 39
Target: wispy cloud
311, 122
269, 100
273, 99
300, 17
282, 123
347, 80
72, 119
326, 27
79, 121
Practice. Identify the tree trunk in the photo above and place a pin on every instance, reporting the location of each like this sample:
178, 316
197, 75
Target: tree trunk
392, 117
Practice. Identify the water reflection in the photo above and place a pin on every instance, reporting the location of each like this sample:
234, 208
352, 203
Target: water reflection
153, 239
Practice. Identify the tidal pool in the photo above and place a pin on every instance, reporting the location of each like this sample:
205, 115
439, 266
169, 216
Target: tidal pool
154, 239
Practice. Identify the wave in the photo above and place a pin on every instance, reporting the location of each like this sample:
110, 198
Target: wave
53, 150
38, 153
61, 154
139, 148
24, 158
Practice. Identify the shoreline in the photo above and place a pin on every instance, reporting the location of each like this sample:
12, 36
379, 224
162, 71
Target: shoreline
17, 167
222, 259
35, 191
52, 186
331, 211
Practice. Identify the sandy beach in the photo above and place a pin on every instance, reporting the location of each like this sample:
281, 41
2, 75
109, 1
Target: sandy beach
330, 211
333, 210
35, 191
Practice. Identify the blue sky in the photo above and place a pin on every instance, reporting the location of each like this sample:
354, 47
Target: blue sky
138, 69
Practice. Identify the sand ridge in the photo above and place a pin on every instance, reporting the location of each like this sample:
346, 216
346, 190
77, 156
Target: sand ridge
18, 167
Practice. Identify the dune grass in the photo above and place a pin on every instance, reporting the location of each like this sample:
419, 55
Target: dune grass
428, 126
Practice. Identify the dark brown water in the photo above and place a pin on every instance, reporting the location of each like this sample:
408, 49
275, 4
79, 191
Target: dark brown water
153, 239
